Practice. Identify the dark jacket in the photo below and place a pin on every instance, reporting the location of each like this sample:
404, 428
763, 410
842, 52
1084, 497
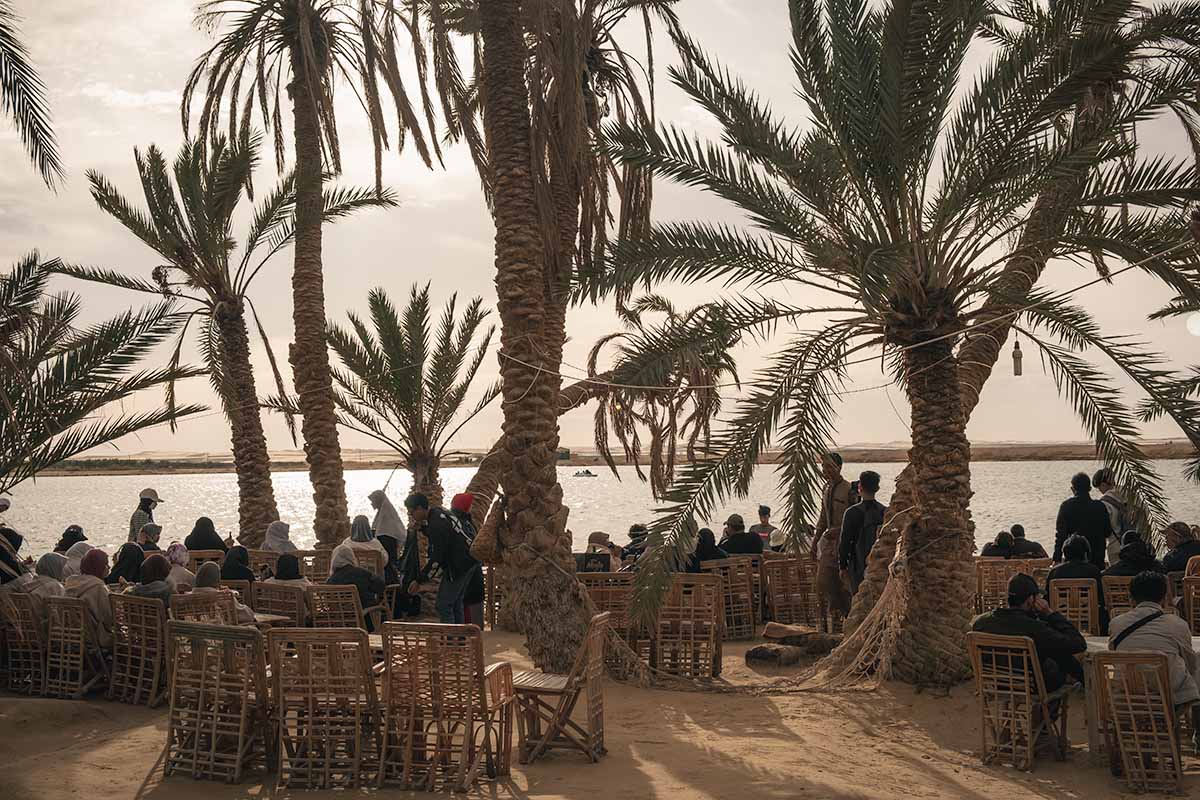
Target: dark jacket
993, 550
1135, 557
1087, 517
1025, 548
370, 586
1082, 569
743, 543
1176, 560
449, 543
1055, 639
860, 526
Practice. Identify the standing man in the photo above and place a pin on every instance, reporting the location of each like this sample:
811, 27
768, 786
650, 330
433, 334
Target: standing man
450, 550
148, 500
860, 526
1083, 515
835, 500
764, 528
1119, 517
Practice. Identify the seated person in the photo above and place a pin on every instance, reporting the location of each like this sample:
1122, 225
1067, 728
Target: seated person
208, 581
344, 571
1055, 639
180, 577
89, 587
236, 565
71, 536
287, 572
600, 542
277, 540
1135, 557
1004, 546
1026, 548
148, 537
739, 541
706, 550
1078, 554
1148, 629
128, 566
1181, 546
153, 582
637, 543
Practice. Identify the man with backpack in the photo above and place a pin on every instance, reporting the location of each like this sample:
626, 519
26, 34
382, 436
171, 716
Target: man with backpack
1119, 517
450, 549
860, 526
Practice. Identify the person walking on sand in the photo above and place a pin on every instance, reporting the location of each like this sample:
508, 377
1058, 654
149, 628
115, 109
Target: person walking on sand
1083, 515
860, 526
148, 500
835, 500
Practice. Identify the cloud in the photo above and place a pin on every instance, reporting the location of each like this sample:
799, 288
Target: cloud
116, 97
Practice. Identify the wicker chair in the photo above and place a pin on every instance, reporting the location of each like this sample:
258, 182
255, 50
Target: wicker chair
74, 663
1039, 569
1140, 722
446, 717
687, 632
737, 587
198, 557
339, 607
26, 643
371, 560
545, 702
1077, 600
218, 723
262, 560
240, 589
326, 707
209, 608
1017, 712
139, 650
612, 593
282, 599
1191, 604
758, 589
991, 582
791, 585
314, 564
1116, 594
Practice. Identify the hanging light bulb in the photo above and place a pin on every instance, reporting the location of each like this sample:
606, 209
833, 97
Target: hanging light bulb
1017, 356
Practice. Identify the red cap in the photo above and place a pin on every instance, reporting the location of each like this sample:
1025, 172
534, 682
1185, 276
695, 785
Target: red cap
462, 502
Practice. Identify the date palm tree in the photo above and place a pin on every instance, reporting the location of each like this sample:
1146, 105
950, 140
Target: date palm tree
64, 380
23, 98
300, 50
188, 221
893, 209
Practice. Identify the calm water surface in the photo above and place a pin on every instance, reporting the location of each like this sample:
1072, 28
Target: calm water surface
1005, 492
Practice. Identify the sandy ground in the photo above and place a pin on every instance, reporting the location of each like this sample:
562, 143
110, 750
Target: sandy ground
891, 743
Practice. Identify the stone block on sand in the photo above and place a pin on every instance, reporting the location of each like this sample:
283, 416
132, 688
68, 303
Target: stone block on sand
780, 655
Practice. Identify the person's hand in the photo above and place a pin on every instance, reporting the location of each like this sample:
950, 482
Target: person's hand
1041, 606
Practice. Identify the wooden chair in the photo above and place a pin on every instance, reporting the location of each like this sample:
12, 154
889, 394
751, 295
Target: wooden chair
1135, 693
240, 589
757, 594
737, 587
1038, 569
687, 632
314, 564
1017, 711
74, 663
991, 582
198, 557
208, 608
262, 560
446, 716
1116, 594
25, 643
139, 650
371, 560
791, 585
326, 707
218, 723
1076, 599
612, 593
340, 607
545, 703
282, 599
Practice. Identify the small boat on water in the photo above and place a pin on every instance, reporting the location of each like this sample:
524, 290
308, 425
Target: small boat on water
585, 473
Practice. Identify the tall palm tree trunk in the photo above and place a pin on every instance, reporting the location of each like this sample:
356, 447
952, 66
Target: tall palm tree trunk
256, 494
309, 355
546, 598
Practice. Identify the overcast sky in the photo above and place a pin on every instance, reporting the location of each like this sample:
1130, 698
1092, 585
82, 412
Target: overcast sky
115, 69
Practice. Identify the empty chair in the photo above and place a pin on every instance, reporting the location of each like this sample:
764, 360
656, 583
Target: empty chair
687, 631
74, 663
612, 593
1076, 599
545, 703
281, 599
791, 587
1116, 594
198, 557
991, 582
211, 608
371, 560
446, 717
26, 643
218, 722
339, 607
314, 564
737, 587
326, 707
139, 650
1018, 714
1135, 693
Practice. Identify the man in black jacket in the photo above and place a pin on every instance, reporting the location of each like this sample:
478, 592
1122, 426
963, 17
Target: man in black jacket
1055, 639
738, 541
449, 549
1026, 548
860, 526
1082, 515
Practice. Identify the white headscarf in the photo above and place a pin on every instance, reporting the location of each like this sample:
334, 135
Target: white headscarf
343, 555
277, 540
75, 554
387, 521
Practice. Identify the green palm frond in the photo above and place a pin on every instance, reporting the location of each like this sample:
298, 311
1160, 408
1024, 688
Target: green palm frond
23, 99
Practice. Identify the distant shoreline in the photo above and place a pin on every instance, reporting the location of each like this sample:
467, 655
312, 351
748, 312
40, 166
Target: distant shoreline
193, 465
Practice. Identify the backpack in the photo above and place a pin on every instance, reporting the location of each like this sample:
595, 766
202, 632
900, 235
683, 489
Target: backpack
1124, 518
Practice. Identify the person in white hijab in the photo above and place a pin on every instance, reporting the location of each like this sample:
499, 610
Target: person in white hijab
363, 538
75, 554
387, 520
277, 540
52, 565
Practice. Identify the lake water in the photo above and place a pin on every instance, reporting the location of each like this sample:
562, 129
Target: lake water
1027, 492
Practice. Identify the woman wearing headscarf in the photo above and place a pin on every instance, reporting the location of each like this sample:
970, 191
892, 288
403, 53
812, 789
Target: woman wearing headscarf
287, 572
88, 586
277, 540
11, 566
236, 565
387, 520
344, 571
148, 537
204, 536
180, 577
16, 577
52, 566
129, 565
363, 538
208, 581
72, 535
75, 556
153, 581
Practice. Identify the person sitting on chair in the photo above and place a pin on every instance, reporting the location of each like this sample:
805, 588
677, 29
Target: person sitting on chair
1134, 558
1147, 628
1182, 545
1026, 548
1003, 546
1078, 565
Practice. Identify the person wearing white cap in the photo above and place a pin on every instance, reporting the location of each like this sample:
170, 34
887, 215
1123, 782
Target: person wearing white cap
144, 513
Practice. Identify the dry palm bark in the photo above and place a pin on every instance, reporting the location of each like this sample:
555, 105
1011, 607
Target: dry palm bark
546, 599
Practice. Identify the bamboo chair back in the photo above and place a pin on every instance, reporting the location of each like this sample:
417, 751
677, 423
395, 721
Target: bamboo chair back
198, 557
217, 724
1015, 707
26, 643
1135, 692
314, 564
74, 663
1191, 603
791, 585
687, 632
284, 600
371, 560
1039, 569
334, 606
139, 650
991, 582
326, 707
1077, 600
262, 560
445, 716
1116, 594
208, 608
757, 586
240, 589
612, 593
737, 588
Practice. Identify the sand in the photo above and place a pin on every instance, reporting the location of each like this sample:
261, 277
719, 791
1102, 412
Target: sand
888, 743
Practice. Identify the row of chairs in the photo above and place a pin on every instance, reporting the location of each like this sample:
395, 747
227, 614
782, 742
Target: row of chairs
314, 564
788, 588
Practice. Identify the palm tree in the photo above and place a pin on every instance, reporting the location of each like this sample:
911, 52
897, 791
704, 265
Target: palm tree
301, 49
397, 391
189, 223
63, 380
23, 98
893, 205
